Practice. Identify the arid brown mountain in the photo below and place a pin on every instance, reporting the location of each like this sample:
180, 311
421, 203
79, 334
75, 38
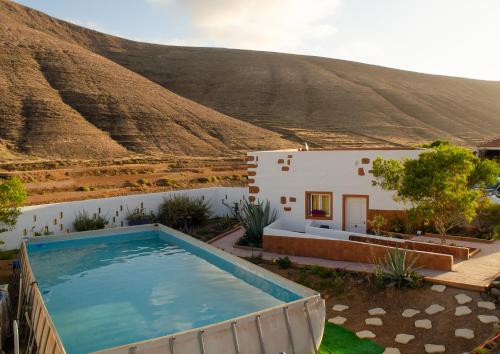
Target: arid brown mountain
58, 100
326, 102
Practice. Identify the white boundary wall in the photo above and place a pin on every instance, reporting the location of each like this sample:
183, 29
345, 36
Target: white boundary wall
58, 218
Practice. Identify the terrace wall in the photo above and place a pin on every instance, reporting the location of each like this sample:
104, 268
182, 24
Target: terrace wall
351, 251
455, 251
58, 218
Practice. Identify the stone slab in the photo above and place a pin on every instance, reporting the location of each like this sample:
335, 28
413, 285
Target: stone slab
464, 333
488, 305
438, 287
433, 309
463, 299
409, 313
462, 311
404, 338
374, 321
425, 324
377, 311
340, 307
488, 319
365, 334
434, 348
339, 320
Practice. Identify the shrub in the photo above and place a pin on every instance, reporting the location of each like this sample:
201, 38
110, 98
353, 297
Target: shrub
496, 232
143, 182
488, 216
323, 272
398, 270
166, 182
138, 216
254, 217
256, 259
175, 211
83, 189
397, 225
43, 232
83, 222
377, 223
283, 262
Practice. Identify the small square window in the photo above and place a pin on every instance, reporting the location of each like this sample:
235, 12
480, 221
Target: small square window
319, 205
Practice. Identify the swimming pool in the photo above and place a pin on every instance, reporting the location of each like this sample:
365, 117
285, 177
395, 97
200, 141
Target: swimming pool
111, 288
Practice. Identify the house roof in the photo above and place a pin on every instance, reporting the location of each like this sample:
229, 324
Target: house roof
493, 143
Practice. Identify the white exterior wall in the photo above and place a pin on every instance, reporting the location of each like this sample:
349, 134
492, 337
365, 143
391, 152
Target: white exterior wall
321, 171
37, 217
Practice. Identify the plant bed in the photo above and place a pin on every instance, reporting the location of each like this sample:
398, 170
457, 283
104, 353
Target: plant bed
448, 237
248, 248
140, 217
361, 293
213, 227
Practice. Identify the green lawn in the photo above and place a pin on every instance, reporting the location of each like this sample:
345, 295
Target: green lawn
338, 340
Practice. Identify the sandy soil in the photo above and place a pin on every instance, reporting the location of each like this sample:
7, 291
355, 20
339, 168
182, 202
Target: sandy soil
80, 182
361, 295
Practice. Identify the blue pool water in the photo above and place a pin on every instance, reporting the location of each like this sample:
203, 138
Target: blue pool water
113, 290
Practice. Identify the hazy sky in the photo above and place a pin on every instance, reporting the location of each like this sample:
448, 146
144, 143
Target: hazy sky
449, 37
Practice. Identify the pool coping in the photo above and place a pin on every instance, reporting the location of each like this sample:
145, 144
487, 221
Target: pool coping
307, 295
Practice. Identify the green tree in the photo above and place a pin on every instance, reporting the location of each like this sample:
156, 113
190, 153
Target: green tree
438, 184
12, 196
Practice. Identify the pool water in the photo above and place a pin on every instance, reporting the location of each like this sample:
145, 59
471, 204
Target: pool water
107, 291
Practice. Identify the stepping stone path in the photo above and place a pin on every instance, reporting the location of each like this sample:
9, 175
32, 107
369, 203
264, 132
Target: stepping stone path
365, 334
433, 309
409, 313
377, 311
375, 321
462, 298
488, 305
391, 351
404, 338
439, 288
340, 308
434, 348
462, 311
464, 333
488, 319
339, 320
425, 324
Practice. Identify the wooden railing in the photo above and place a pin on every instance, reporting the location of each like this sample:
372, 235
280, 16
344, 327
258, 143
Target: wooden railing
46, 338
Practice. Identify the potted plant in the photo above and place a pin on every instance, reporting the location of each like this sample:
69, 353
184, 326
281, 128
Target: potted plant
318, 213
139, 217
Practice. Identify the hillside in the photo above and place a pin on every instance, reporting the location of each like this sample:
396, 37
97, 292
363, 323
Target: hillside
326, 102
59, 100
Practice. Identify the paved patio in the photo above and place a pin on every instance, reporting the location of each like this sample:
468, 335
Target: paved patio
475, 274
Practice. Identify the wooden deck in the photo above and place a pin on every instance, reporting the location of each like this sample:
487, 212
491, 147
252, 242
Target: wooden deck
475, 274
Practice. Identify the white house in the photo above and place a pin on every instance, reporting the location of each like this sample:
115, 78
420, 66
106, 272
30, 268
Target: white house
326, 189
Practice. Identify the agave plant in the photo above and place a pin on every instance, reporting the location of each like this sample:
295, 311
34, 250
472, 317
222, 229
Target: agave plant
399, 270
254, 217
